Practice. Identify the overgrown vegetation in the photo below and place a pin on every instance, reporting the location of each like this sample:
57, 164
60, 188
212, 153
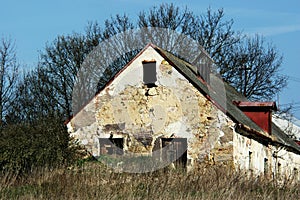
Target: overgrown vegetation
36, 151
95, 181
45, 143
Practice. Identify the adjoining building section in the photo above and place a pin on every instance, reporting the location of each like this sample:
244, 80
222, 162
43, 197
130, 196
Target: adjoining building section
161, 105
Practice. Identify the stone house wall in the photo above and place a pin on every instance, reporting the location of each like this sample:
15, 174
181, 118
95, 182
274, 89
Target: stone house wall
128, 109
145, 117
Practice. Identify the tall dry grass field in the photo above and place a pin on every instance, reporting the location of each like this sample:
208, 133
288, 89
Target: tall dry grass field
95, 181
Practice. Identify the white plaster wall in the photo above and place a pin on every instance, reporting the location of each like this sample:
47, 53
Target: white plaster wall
242, 146
133, 75
289, 161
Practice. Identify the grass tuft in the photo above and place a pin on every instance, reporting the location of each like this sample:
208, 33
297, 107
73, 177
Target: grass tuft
92, 180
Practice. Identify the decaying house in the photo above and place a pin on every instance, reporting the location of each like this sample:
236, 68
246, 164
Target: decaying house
159, 105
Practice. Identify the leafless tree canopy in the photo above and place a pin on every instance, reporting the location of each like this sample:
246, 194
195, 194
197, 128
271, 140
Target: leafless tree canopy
8, 75
249, 64
253, 69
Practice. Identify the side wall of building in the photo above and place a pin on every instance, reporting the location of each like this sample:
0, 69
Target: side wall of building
272, 161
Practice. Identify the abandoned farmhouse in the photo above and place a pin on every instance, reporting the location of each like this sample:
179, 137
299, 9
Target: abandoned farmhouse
159, 105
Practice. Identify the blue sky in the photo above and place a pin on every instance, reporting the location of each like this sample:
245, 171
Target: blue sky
33, 23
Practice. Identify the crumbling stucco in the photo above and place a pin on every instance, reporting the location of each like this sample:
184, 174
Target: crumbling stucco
144, 116
129, 109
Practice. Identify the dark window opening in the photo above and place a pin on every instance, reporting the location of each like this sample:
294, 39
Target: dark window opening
278, 168
111, 146
175, 150
296, 173
149, 73
250, 161
145, 139
266, 166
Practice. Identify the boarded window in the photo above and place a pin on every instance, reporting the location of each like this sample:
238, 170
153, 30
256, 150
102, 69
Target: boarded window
175, 150
149, 72
111, 146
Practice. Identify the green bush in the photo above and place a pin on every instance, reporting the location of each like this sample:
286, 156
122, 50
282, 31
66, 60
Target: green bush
44, 143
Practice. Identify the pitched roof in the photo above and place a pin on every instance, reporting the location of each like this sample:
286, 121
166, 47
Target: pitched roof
224, 103
250, 128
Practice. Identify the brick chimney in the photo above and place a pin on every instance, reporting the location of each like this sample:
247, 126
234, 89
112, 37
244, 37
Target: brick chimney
258, 112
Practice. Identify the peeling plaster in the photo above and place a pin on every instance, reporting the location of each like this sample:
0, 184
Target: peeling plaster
172, 109
142, 116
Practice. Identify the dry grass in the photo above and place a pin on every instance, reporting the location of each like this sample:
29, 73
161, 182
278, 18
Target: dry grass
94, 181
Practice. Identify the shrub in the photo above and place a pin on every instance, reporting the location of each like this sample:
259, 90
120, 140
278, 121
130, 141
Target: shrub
42, 143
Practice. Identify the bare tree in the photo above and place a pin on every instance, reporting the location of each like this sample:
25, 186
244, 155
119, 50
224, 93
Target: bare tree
253, 69
248, 64
60, 63
174, 21
8, 75
36, 98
